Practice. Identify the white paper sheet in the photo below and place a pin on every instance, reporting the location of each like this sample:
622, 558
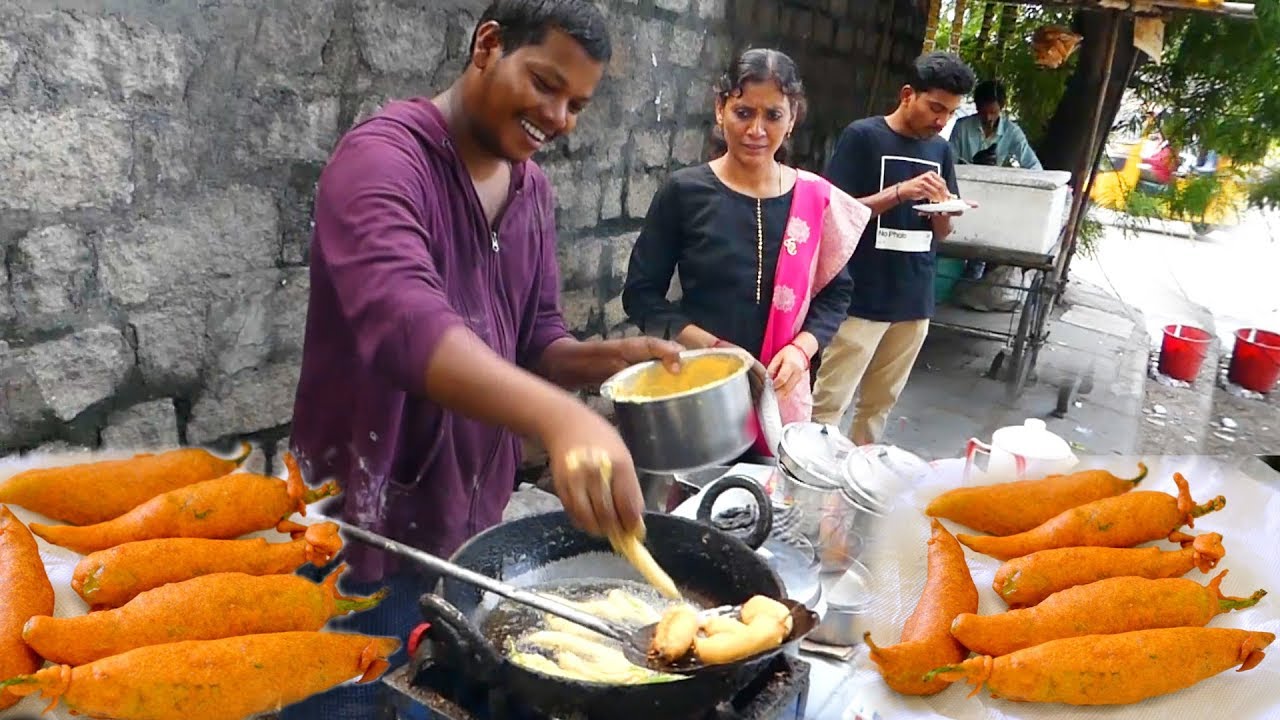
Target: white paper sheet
1249, 524
60, 563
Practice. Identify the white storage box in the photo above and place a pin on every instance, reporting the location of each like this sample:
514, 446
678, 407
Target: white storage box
1018, 209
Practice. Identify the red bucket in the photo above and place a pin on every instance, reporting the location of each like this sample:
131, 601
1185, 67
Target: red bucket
1182, 351
1255, 361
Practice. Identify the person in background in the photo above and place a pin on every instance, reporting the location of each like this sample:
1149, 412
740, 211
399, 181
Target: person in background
891, 163
434, 337
760, 247
989, 137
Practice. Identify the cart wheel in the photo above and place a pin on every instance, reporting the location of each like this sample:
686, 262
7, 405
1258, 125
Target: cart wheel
1019, 373
1024, 345
1033, 373
993, 373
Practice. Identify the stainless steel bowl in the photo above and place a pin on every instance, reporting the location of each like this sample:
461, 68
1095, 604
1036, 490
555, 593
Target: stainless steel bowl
707, 425
848, 596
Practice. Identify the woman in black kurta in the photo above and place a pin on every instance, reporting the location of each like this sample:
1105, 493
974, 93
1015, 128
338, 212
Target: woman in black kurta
725, 226
707, 231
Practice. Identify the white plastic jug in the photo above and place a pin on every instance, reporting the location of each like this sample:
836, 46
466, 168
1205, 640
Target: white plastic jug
1019, 452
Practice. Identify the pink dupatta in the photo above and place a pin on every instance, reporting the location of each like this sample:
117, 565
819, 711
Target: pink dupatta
822, 232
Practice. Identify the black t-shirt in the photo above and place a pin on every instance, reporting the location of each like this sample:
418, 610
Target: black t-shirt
893, 267
704, 230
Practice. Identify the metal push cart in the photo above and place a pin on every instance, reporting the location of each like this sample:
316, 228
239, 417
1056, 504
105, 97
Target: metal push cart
1027, 329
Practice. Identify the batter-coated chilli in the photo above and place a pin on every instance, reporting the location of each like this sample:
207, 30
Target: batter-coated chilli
95, 492
674, 635
25, 591
1122, 521
223, 508
1106, 607
727, 647
1111, 669
1025, 581
926, 639
1014, 507
227, 679
112, 577
203, 608
628, 545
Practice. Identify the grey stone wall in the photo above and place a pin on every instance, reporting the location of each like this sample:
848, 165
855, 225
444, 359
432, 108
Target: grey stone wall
158, 157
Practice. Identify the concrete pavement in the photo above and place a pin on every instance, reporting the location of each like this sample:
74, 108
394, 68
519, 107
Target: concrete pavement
1222, 281
1108, 328
950, 399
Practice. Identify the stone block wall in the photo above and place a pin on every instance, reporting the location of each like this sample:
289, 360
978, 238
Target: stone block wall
158, 159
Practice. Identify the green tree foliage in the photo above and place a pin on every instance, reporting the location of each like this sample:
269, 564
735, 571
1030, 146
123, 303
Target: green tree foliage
1005, 54
1217, 85
1265, 191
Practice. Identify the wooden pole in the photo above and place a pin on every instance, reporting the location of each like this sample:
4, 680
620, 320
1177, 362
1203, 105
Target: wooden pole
1008, 19
1100, 146
957, 26
1089, 159
984, 31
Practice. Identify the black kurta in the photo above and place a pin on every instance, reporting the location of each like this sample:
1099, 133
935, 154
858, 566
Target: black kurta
707, 231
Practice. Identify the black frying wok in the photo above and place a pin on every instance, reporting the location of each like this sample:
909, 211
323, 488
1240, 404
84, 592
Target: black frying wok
710, 566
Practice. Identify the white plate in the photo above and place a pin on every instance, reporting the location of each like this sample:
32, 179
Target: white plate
950, 206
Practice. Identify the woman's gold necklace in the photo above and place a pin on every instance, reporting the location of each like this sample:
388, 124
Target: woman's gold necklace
760, 234
759, 246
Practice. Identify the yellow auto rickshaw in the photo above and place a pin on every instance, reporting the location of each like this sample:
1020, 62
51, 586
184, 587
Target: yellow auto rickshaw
1117, 180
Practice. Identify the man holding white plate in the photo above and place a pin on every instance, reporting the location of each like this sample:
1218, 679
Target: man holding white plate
893, 164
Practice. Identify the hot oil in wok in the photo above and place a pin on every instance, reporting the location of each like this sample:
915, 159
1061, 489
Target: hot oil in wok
555, 646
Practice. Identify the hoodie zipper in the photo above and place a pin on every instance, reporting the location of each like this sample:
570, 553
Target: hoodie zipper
512, 196
476, 479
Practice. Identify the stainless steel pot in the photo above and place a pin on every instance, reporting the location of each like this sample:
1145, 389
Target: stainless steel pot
835, 512
664, 492
704, 426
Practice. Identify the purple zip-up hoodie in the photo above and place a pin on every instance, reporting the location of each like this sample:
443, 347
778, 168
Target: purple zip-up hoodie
402, 252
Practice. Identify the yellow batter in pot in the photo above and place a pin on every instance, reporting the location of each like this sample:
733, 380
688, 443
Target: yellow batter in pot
657, 383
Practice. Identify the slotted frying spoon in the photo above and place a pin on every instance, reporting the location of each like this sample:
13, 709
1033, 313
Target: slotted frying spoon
635, 643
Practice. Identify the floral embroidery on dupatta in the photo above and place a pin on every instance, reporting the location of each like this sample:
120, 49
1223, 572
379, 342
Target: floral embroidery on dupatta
784, 298
797, 234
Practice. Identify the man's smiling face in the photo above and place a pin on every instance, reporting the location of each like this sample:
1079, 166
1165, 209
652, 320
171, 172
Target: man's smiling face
533, 95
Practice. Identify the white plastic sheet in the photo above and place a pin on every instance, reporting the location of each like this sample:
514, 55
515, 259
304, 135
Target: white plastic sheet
1249, 524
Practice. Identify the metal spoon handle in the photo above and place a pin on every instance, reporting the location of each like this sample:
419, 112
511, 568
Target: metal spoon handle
544, 603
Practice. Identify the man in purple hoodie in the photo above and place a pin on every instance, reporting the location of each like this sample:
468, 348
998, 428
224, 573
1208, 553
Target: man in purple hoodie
434, 335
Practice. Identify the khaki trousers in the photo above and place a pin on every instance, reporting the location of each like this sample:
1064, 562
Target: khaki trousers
872, 359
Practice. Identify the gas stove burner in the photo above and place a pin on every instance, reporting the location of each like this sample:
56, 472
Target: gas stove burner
779, 693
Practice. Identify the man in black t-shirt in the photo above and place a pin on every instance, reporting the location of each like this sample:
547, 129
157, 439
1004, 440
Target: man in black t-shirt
891, 163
